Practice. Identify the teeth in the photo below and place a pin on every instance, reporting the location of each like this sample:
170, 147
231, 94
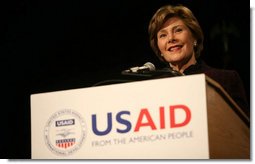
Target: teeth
174, 48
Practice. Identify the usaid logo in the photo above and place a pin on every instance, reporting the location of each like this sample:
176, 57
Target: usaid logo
143, 120
65, 132
65, 122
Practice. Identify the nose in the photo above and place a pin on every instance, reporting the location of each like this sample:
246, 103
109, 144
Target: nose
171, 38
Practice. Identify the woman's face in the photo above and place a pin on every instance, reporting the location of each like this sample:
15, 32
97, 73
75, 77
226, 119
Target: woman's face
176, 43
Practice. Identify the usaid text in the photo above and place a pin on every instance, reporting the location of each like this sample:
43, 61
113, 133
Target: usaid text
144, 119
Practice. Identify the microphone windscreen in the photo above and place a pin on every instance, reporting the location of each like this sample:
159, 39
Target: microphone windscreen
150, 66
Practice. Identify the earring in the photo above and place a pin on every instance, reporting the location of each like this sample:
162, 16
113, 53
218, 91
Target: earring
162, 55
195, 43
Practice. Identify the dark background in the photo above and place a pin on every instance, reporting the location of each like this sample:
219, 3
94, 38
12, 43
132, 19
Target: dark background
58, 45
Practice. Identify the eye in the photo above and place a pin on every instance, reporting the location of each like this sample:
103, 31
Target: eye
162, 35
177, 30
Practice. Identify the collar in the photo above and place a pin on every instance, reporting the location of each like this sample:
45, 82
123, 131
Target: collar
192, 69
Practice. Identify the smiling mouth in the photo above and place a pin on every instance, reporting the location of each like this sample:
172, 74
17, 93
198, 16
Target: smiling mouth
174, 48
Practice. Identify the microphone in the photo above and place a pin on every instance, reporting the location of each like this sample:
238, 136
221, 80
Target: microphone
148, 66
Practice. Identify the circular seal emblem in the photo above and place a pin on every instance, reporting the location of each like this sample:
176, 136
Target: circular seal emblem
65, 132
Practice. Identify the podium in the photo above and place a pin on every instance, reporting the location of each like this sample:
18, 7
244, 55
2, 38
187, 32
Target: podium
228, 126
203, 122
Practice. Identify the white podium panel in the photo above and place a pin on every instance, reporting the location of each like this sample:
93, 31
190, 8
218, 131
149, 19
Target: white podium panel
152, 119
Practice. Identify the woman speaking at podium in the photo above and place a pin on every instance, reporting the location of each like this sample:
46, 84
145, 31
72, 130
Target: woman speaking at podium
177, 39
